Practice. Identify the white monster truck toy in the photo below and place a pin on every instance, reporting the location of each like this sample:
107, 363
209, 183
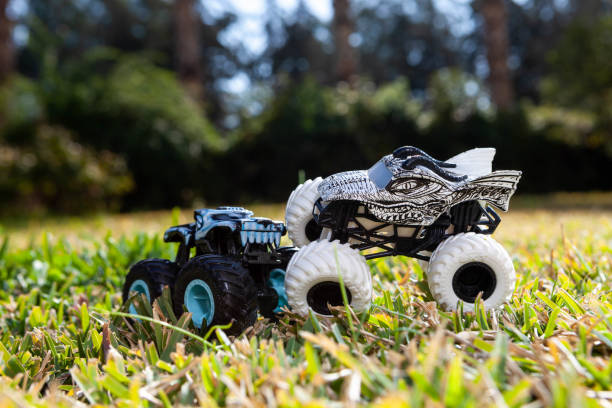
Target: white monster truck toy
439, 212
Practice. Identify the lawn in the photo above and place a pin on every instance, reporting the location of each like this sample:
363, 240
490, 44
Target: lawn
63, 341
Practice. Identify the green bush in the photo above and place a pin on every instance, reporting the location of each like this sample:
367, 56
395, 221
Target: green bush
149, 145
20, 110
580, 84
55, 172
129, 106
324, 130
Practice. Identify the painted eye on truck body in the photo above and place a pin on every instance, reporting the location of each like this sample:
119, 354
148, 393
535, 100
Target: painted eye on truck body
413, 187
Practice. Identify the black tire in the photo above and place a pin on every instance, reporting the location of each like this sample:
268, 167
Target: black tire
156, 273
232, 287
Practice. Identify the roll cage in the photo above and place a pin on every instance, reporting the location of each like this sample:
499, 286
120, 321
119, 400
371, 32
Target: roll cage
343, 219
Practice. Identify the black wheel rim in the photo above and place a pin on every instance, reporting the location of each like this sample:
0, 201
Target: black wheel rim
325, 293
473, 278
313, 231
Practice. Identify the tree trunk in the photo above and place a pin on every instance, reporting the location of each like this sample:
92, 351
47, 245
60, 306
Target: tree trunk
346, 58
187, 47
6, 43
496, 42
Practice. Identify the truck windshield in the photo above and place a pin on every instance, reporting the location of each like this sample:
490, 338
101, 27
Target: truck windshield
380, 174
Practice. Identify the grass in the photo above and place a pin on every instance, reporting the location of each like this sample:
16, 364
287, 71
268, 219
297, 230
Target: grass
64, 340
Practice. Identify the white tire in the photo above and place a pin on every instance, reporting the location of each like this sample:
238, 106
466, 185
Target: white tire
312, 278
299, 211
466, 264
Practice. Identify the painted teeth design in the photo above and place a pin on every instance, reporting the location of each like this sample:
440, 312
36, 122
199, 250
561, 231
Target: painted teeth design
261, 233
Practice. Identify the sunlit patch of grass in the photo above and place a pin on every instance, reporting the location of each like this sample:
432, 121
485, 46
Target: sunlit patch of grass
64, 342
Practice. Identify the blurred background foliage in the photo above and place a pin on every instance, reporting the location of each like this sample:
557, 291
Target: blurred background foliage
131, 104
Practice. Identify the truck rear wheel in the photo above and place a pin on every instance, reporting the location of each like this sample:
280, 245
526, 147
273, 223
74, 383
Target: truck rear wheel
467, 264
312, 278
301, 227
216, 290
149, 277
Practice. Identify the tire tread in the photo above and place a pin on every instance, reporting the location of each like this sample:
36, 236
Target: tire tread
236, 288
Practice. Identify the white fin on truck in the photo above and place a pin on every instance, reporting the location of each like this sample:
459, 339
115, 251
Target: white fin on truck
474, 163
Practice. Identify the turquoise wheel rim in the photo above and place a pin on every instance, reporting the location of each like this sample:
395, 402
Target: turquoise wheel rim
277, 282
200, 302
141, 287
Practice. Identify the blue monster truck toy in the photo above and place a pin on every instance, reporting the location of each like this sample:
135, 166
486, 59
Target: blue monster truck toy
237, 269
